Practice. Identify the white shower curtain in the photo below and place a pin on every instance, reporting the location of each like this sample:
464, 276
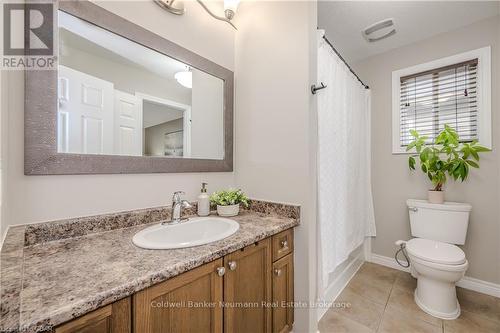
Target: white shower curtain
345, 204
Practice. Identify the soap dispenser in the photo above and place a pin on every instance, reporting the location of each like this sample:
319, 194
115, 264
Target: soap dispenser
203, 201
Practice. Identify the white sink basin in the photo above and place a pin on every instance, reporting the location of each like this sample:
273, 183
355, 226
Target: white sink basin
196, 231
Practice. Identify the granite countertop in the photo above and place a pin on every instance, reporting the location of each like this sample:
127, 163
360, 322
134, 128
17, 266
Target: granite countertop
48, 283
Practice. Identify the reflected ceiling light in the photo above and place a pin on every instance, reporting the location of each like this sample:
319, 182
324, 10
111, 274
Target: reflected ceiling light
230, 7
185, 78
369, 32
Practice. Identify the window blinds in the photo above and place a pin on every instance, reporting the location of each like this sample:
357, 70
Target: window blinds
438, 97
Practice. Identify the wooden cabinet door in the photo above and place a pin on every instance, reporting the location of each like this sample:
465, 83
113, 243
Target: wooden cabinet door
247, 285
112, 318
190, 302
283, 294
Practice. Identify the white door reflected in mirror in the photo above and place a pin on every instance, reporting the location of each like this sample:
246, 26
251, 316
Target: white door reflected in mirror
117, 97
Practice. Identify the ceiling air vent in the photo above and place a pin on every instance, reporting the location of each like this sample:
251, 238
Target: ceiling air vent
379, 30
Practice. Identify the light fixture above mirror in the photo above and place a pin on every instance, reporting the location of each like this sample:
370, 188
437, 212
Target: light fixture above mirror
168, 5
230, 7
177, 8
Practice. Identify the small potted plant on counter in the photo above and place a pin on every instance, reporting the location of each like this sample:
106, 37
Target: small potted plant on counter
446, 157
228, 202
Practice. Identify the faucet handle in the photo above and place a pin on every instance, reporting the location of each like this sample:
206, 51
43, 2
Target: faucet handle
177, 195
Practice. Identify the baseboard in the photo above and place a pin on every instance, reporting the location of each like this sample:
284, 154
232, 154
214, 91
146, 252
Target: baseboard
388, 262
336, 287
485, 287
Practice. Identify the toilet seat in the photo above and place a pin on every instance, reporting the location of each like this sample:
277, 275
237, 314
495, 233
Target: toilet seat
435, 252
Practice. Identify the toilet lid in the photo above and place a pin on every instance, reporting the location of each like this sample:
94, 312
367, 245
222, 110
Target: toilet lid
434, 251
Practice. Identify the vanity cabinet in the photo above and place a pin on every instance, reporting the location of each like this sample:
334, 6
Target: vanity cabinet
249, 290
112, 318
190, 302
283, 294
282, 244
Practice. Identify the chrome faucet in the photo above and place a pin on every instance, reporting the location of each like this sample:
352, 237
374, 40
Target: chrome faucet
177, 205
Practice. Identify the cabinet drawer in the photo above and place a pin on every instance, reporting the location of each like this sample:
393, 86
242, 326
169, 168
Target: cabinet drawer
282, 244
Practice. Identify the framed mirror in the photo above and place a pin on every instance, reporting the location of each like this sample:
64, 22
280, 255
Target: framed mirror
125, 100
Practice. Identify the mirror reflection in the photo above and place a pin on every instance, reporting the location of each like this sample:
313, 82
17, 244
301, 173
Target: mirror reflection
117, 97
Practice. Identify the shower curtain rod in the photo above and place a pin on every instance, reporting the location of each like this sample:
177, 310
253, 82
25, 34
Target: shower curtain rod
345, 62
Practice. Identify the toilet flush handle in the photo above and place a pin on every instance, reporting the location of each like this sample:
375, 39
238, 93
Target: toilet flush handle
413, 209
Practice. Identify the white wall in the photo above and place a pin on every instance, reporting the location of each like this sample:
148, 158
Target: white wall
42, 198
275, 124
3, 106
393, 183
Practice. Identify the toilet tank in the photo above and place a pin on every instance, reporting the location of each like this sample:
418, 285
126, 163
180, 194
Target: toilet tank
445, 222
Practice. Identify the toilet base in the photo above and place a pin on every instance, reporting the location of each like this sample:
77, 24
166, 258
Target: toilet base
442, 315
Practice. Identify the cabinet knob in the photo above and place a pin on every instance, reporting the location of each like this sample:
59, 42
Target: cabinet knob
232, 265
277, 272
221, 271
284, 244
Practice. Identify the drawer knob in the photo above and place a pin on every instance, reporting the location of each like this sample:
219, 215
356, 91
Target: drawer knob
277, 272
232, 265
284, 244
221, 271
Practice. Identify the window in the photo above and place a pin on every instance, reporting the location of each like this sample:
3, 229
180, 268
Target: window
453, 91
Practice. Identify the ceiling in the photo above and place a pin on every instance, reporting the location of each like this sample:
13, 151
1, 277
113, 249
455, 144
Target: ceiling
155, 114
89, 38
343, 22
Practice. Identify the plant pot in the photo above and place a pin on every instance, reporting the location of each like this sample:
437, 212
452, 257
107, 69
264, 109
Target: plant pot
228, 211
435, 197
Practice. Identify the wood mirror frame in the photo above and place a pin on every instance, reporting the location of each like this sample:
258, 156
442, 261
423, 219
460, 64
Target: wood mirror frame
40, 122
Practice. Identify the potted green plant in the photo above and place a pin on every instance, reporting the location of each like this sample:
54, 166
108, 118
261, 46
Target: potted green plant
228, 202
447, 157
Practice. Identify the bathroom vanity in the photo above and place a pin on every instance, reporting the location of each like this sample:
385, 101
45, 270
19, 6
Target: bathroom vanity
250, 289
86, 275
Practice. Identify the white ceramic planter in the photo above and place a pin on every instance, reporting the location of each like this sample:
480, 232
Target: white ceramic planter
435, 197
228, 211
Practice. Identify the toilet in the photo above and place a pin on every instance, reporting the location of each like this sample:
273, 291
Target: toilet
435, 261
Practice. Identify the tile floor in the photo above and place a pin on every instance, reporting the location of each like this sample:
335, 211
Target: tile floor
381, 300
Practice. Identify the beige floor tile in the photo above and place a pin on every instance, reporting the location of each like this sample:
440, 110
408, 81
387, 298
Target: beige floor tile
405, 282
334, 322
378, 273
371, 289
375, 285
360, 309
403, 301
395, 321
484, 305
471, 323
